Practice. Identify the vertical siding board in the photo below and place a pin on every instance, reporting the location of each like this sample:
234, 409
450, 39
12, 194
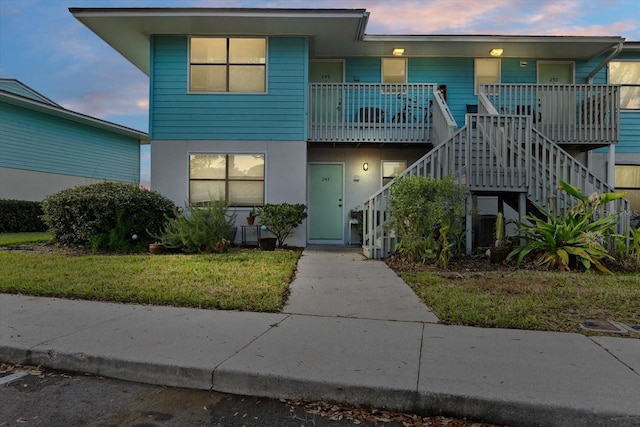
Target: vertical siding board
36, 141
278, 114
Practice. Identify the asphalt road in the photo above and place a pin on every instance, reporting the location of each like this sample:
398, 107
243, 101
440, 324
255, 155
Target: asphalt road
31, 397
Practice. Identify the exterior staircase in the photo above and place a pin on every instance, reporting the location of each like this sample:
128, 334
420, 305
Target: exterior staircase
493, 154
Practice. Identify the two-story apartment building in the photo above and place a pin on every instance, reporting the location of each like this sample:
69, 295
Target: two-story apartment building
290, 105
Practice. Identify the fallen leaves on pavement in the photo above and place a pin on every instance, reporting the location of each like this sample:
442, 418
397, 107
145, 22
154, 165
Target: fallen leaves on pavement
338, 412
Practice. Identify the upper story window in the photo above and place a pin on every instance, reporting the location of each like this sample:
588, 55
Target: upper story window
220, 64
394, 70
626, 74
487, 71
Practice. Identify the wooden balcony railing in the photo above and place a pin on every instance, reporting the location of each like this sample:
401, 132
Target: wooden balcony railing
362, 112
566, 114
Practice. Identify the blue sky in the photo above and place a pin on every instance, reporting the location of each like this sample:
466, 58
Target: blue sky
46, 48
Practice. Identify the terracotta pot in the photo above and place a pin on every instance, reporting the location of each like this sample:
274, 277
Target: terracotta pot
250, 220
156, 248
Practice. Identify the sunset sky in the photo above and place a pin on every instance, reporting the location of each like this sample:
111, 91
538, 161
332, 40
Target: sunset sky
46, 48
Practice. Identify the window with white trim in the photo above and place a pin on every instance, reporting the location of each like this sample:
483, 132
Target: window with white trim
220, 64
394, 70
627, 75
487, 71
391, 169
627, 178
236, 178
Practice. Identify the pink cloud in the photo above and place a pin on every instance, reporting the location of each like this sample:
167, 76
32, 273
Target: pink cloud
122, 101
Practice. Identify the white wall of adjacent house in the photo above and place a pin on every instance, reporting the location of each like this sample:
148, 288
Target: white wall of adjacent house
20, 184
285, 172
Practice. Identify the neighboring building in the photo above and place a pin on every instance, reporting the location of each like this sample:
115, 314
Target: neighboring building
45, 148
301, 106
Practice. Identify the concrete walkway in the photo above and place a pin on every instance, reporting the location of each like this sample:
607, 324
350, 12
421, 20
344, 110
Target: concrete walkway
351, 332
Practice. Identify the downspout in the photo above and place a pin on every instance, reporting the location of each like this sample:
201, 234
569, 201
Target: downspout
616, 52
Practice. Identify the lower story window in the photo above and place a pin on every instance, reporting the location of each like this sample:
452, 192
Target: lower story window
628, 180
236, 178
391, 169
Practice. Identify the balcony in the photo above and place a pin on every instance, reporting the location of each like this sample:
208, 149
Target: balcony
361, 112
586, 116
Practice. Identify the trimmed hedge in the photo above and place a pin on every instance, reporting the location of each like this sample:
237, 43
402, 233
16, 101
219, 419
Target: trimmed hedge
107, 216
20, 216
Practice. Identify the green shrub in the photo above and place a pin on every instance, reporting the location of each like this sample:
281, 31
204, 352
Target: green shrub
108, 216
20, 216
426, 216
281, 219
579, 235
202, 229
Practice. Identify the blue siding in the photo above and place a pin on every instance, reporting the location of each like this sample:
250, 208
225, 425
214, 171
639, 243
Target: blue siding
279, 114
629, 120
363, 70
455, 73
458, 75
40, 142
629, 132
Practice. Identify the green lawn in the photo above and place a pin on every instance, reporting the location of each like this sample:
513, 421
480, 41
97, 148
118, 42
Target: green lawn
238, 280
523, 299
254, 280
8, 239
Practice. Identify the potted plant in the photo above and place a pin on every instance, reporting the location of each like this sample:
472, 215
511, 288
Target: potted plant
253, 213
156, 248
280, 219
498, 254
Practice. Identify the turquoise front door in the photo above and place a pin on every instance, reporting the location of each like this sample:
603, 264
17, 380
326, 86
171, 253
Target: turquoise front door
325, 202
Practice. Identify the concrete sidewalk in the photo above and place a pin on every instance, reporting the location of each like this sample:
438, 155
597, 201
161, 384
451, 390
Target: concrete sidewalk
351, 332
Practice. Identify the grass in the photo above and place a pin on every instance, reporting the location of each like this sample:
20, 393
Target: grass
523, 299
238, 280
8, 239
259, 281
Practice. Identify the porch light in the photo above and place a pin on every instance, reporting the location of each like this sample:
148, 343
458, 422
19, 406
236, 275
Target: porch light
365, 166
496, 51
398, 51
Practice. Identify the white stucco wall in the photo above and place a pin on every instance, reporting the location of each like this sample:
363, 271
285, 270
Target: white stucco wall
285, 174
358, 183
34, 186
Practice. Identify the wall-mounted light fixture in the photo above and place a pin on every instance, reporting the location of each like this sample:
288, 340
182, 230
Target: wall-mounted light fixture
496, 51
398, 51
365, 166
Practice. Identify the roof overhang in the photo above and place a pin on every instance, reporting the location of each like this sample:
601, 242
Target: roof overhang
129, 30
631, 47
478, 46
57, 111
334, 33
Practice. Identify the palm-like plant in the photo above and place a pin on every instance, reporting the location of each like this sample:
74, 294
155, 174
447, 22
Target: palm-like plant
579, 233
